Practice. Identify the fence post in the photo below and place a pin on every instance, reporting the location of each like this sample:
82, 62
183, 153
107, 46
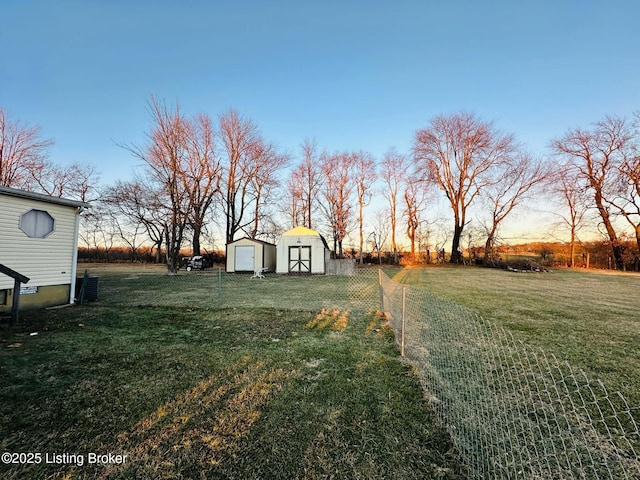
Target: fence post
404, 296
219, 284
381, 291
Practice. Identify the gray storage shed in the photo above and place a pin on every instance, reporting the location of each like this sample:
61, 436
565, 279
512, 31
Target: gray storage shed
250, 255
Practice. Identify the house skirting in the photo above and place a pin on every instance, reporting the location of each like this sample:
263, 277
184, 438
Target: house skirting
36, 297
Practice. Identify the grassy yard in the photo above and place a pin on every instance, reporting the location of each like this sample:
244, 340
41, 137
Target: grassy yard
191, 392
591, 319
203, 375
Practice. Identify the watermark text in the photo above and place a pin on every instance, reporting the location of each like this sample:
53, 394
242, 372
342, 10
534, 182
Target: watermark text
78, 459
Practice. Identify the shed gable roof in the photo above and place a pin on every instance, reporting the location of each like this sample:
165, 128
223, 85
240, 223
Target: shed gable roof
261, 242
300, 230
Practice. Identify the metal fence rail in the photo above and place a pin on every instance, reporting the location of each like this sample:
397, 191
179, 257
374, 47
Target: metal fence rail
512, 410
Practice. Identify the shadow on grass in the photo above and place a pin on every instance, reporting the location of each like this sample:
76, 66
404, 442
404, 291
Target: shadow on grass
230, 393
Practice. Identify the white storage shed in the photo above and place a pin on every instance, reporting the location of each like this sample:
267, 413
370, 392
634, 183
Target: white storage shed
302, 251
38, 239
250, 255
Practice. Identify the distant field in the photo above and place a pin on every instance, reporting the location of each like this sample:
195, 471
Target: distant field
591, 319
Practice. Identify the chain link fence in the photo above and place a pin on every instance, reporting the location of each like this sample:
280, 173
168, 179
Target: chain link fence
512, 410
145, 285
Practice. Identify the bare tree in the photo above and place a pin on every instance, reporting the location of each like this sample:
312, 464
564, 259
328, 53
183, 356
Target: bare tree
83, 182
271, 230
77, 181
569, 185
413, 205
264, 181
338, 188
239, 137
98, 231
458, 152
182, 179
394, 173
597, 154
131, 233
311, 179
512, 183
303, 187
378, 236
474, 234
165, 156
627, 202
202, 174
22, 153
24, 164
364, 169
139, 204
292, 202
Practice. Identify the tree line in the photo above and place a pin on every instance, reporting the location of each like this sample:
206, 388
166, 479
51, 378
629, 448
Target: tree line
201, 175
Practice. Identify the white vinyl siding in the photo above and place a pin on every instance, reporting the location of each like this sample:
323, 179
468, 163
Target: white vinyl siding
46, 261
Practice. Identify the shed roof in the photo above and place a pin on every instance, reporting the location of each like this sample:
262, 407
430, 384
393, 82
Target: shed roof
262, 242
300, 230
14, 192
304, 231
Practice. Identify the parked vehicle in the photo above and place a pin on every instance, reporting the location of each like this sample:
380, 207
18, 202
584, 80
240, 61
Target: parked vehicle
197, 263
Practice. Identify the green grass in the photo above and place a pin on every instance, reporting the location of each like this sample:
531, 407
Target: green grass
239, 392
591, 319
260, 382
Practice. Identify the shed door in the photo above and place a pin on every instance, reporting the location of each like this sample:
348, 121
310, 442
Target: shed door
300, 259
244, 258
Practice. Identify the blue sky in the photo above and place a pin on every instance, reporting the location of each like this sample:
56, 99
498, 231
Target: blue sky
358, 75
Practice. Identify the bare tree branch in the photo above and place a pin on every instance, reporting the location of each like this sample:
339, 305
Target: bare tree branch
22, 153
